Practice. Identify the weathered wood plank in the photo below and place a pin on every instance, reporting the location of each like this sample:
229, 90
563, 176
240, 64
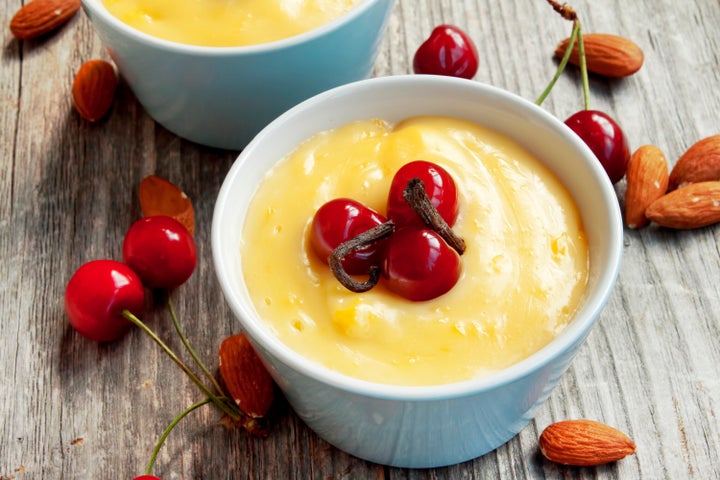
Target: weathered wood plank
77, 410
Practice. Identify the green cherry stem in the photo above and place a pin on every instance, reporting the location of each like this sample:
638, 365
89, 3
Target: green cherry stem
576, 36
189, 349
563, 62
221, 404
583, 64
169, 429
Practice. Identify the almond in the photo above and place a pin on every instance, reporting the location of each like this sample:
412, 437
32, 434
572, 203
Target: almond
584, 443
93, 90
39, 17
246, 378
647, 180
159, 196
605, 54
700, 163
694, 206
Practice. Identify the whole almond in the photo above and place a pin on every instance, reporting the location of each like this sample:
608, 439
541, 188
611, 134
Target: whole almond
39, 17
246, 378
693, 206
647, 180
605, 54
700, 163
93, 89
584, 443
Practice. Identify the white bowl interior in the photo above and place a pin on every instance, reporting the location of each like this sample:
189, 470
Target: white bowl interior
393, 99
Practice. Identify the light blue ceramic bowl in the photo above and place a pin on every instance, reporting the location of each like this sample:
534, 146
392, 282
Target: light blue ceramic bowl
427, 426
223, 96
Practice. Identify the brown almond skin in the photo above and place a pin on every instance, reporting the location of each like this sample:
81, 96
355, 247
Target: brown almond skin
606, 54
245, 376
647, 180
93, 89
159, 196
693, 206
584, 443
39, 17
700, 163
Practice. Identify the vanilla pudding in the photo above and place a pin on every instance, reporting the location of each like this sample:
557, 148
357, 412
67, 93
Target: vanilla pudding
524, 271
223, 23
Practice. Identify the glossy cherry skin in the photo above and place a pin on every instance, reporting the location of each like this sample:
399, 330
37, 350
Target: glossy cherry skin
161, 250
605, 138
439, 186
447, 51
338, 221
419, 265
146, 477
97, 294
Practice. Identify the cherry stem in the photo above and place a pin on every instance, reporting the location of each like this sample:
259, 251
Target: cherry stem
169, 428
563, 63
231, 409
416, 196
356, 243
190, 350
583, 65
568, 13
565, 10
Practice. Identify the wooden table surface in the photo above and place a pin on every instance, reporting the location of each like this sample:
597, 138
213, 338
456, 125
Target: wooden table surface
72, 409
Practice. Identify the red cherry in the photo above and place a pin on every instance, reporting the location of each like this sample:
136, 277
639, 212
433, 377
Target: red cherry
447, 51
340, 220
605, 138
96, 295
419, 265
161, 250
146, 477
439, 186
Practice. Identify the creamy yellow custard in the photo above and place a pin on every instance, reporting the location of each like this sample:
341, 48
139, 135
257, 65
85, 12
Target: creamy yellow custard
225, 23
524, 271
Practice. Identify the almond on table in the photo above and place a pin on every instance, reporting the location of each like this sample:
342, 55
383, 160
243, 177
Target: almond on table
93, 89
694, 206
245, 376
606, 54
699, 163
159, 196
584, 443
647, 180
38, 17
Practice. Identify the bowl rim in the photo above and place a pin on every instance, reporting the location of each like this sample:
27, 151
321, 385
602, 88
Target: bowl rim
98, 8
574, 332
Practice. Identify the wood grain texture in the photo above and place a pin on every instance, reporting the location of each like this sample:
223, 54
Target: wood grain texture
72, 409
